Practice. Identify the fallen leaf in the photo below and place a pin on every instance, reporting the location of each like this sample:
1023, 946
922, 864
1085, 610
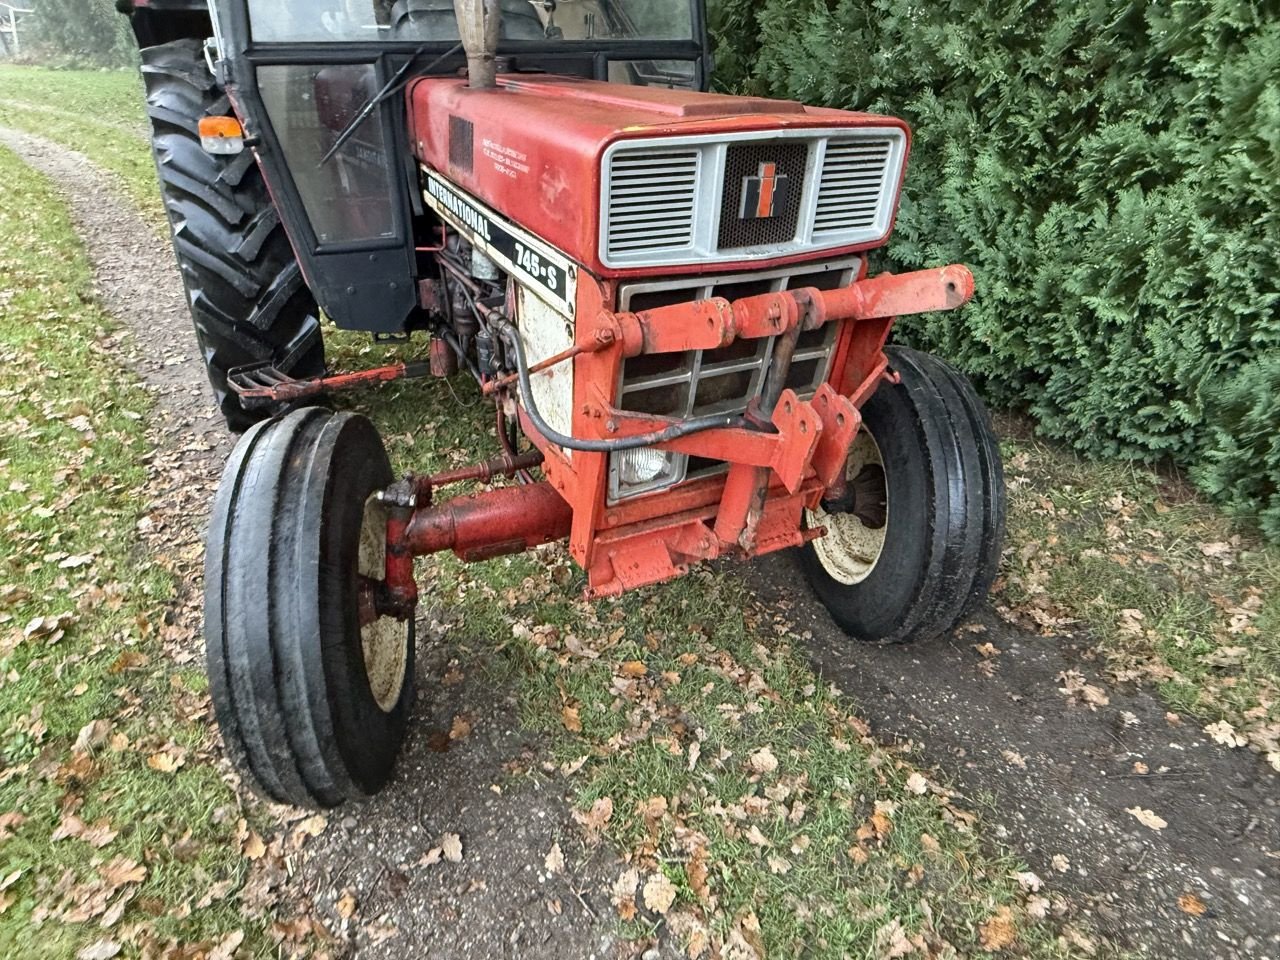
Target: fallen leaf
569, 717
1147, 818
1225, 734
346, 905
997, 931
698, 874
633, 669
312, 826
99, 950
659, 893
1028, 881
451, 844
755, 837
121, 871
165, 762
1075, 687
600, 813
461, 727
226, 950
624, 892
763, 761
71, 563
98, 835
917, 784
554, 861
253, 847
92, 734
1190, 903
10, 822
778, 865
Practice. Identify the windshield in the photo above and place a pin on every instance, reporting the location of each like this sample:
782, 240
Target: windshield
421, 21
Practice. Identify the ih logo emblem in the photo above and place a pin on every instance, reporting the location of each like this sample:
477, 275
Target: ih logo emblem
763, 193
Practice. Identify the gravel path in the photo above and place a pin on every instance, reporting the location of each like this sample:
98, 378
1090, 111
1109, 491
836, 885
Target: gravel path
1062, 777
498, 901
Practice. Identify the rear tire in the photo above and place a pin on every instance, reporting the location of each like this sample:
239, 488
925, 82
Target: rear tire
922, 552
244, 287
312, 705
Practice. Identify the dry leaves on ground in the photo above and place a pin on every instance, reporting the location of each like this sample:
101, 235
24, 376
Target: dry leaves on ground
1147, 818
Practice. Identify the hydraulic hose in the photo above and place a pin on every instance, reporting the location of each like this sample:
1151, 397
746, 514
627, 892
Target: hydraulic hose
511, 337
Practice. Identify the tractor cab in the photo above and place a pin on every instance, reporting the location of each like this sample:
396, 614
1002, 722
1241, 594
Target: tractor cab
300, 73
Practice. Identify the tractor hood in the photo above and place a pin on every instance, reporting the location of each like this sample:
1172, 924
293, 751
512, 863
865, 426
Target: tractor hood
627, 178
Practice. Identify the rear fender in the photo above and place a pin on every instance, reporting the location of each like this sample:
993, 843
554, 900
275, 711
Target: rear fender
160, 21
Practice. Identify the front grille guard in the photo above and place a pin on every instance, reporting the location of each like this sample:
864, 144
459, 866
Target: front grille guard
783, 433
783, 454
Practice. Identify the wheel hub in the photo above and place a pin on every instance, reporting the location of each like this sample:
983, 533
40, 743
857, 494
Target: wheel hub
384, 639
857, 525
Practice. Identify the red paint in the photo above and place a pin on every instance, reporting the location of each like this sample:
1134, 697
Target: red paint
489, 524
653, 537
538, 145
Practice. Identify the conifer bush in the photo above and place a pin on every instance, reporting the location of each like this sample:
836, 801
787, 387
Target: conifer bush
1111, 172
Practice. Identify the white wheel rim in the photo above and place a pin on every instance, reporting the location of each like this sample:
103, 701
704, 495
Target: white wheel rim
850, 550
384, 641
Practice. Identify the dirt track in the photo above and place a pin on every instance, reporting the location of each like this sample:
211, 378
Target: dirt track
1060, 775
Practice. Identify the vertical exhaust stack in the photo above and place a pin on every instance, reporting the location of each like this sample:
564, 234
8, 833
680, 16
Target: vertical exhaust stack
478, 25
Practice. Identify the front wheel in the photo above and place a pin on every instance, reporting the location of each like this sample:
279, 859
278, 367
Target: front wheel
312, 696
916, 544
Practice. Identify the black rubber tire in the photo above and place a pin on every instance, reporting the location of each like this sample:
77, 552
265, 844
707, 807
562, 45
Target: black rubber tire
244, 287
940, 555
282, 636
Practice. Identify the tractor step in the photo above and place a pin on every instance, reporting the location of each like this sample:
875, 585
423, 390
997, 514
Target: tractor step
259, 384
263, 384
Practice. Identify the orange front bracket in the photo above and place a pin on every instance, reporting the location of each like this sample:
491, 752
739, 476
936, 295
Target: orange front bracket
840, 423
786, 452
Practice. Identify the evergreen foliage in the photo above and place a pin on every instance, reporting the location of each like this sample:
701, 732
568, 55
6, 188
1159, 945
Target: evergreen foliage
79, 33
1110, 170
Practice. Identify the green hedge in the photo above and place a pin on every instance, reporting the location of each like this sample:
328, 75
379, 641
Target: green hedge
1111, 171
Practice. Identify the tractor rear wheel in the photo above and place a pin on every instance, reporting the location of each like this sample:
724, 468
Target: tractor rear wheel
311, 696
244, 287
917, 546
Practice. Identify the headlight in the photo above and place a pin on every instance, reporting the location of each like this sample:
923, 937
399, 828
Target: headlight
633, 472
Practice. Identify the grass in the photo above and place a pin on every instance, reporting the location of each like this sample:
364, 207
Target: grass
100, 113
90, 705
1176, 594
728, 771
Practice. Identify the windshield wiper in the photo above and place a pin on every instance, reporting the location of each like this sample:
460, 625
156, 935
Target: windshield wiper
391, 87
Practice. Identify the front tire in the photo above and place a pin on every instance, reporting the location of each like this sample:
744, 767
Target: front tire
312, 704
921, 545
244, 287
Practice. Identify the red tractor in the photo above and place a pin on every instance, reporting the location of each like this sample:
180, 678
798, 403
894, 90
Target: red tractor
664, 290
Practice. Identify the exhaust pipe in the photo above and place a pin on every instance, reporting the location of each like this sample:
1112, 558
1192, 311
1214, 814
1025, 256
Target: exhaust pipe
478, 25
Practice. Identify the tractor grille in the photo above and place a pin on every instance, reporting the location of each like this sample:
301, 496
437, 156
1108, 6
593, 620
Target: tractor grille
701, 382
852, 187
651, 200
708, 199
742, 227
